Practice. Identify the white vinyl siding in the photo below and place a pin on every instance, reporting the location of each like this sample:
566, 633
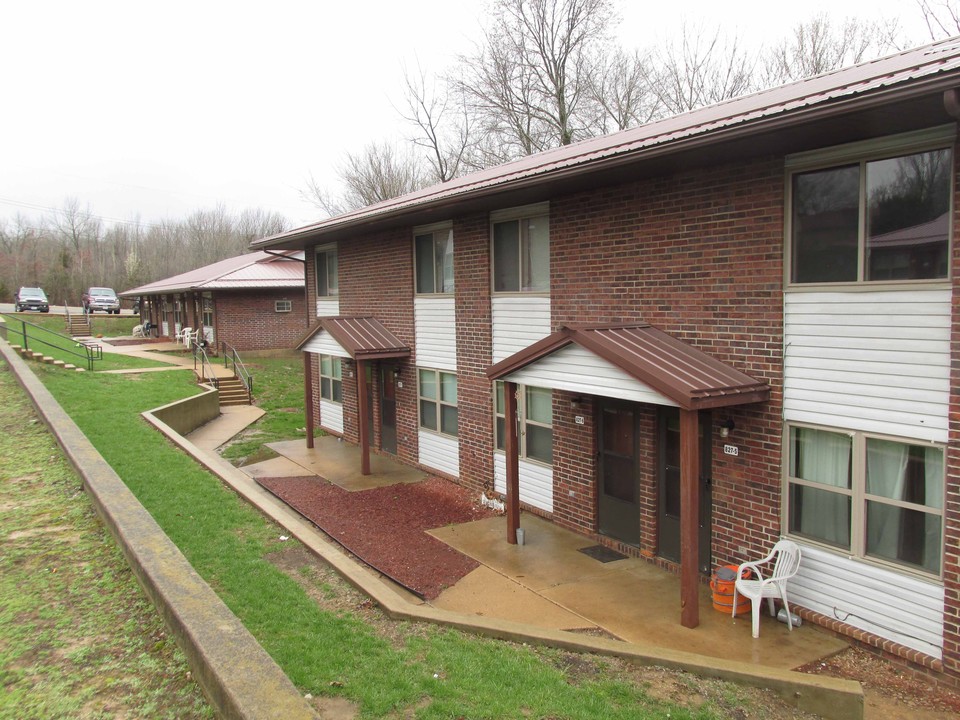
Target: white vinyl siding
328, 307
536, 481
899, 607
331, 416
578, 370
440, 452
435, 328
517, 323
869, 361
323, 344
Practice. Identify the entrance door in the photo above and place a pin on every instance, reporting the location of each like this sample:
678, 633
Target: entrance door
668, 479
388, 409
619, 501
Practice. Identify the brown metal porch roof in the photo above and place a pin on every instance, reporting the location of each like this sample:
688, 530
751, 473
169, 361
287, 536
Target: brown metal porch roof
364, 338
689, 377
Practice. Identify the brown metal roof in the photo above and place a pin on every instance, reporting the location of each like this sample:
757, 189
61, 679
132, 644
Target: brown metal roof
364, 338
256, 270
670, 366
885, 87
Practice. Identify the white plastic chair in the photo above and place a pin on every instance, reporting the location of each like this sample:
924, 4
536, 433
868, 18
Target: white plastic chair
785, 557
183, 336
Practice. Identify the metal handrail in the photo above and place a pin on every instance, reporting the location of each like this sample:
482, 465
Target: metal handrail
230, 357
66, 310
91, 351
206, 367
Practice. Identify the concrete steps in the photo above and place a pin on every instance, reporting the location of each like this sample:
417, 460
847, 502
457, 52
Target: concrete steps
233, 392
46, 359
78, 327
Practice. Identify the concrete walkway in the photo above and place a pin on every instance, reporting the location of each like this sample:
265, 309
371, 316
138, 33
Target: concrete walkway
550, 583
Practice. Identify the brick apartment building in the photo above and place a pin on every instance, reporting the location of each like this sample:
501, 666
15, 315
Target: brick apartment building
712, 331
252, 302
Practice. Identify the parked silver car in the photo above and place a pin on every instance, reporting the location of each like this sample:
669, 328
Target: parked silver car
31, 298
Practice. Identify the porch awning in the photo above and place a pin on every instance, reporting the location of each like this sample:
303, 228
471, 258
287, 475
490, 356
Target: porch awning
362, 338
687, 376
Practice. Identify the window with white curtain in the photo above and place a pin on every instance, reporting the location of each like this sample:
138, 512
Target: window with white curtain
871, 496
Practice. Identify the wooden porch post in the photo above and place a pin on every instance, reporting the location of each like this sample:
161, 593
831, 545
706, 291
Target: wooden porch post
512, 450
362, 410
689, 518
308, 395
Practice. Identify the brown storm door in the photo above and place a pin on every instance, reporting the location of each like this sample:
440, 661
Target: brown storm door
388, 409
619, 497
668, 481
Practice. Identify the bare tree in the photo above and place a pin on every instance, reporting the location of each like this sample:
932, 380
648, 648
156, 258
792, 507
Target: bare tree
819, 45
942, 18
379, 173
622, 91
438, 110
705, 68
527, 84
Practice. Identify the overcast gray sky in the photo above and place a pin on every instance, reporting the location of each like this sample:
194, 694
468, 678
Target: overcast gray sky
159, 109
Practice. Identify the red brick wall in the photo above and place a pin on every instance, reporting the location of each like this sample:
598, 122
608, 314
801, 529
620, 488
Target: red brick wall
376, 279
951, 543
700, 256
248, 320
471, 267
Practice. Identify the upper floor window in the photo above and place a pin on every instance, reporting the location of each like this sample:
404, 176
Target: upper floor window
433, 251
521, 250
326, 262
535, 422
867, 495
331, 382
438, 401
884, 218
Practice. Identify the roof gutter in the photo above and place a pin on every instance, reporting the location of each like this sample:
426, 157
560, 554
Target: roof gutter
738, 130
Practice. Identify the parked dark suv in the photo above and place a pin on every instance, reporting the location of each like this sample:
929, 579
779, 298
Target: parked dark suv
100, 298
32, 298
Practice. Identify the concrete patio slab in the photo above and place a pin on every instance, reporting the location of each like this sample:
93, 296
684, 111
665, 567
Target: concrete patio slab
485, 592
339, 463
279, 467
630, 599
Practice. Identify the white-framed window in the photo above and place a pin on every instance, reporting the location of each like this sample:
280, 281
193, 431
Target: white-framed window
207, 311
871, 496
535, 422
283, 306
520, 241
327, 271
438, 401
872, 212
331, 383
177, 312
433, 259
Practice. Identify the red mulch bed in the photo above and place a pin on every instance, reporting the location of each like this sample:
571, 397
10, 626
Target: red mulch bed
385, 527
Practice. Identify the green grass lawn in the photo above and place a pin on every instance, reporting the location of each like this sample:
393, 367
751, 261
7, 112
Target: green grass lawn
425, 670
100, 324
77, 636
278, 389
48, 337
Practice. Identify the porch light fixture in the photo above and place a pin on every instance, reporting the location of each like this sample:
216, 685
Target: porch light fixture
575, 401
726, 426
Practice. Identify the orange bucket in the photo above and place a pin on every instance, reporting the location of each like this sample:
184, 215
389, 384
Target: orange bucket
722, 585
